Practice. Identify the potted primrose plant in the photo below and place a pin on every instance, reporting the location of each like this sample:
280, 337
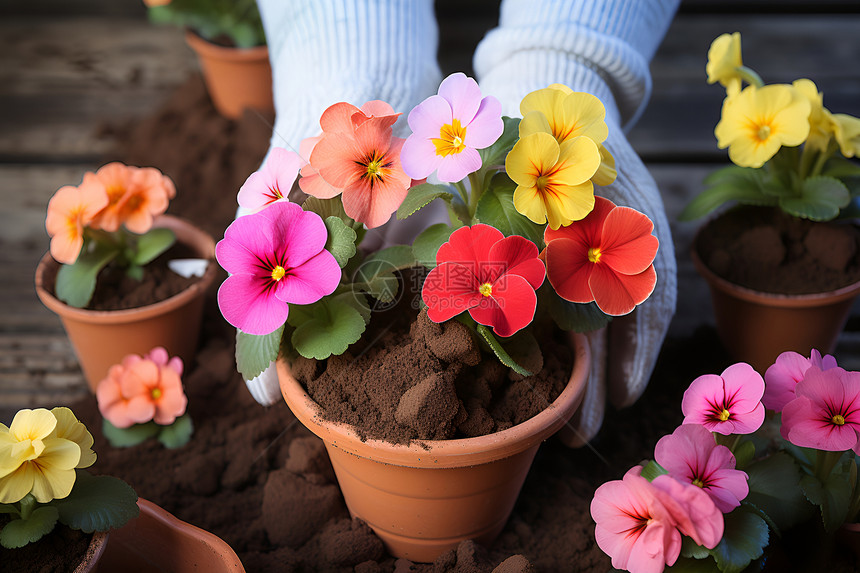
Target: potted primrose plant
228, 38
733, 488
528, 244
787, 254
109, 236
44, 488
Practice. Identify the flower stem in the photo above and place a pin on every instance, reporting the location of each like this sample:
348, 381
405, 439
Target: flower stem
824, 464
461, 190
28, 504
477, 189
750, 76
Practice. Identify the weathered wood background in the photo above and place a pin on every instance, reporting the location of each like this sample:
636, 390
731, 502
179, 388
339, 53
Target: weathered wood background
69, 68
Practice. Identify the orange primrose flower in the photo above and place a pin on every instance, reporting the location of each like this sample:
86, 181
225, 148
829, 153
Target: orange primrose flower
135, 196
69, 211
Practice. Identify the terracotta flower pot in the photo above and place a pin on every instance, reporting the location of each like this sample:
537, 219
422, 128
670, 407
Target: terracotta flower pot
237, 78
156, 541
95, 552
756, 327
101, 338
423, 499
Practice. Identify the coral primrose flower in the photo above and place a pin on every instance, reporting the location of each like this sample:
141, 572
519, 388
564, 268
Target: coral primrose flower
607, 258
727, 404
825, 415
135, 196
34, 460
276, 258
492, 276
691, 455
272, 182
783, 375
69, 211
724, 59
553, 181
758, 121
449, 128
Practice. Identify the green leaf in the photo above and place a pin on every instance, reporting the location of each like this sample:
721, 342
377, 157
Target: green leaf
496, 208
176, 434
326, 208
744, 453
425, 245
693, 565
820, 199
741, 184
840, 167
573, 316
496, 153
745, 538
97, 503
422, 195
127, 437
689, 548
341, 240
76, 283
19, 532
652, 469
254, 352
150, 245
376, 274
773, 488
500, 352
833, 497
333, 326
358, 301
134, 272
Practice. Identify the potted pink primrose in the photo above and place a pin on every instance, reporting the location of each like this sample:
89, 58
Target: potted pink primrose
728, 481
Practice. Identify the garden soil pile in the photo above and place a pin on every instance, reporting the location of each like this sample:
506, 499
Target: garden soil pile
259, 480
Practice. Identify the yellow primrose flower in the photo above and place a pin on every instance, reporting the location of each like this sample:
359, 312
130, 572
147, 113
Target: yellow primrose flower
758, 121
847, 130
33, 460
724, 59
553, 181
564, 113
821, 125
606, 173
70, 428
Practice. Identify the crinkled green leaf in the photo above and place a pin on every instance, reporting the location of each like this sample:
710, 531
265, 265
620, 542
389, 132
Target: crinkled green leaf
832, 497
820, 199
745, 537
76, 283
176, 434
333, 326
773, 488
425, 245
573, 316
254, 352
19, 532
326, 208
496, 208
741, 184
376, 275
422, 195
127, 437
341, 240
652, 469
500, 352
151, 244
496, 153
358, 301
97, 503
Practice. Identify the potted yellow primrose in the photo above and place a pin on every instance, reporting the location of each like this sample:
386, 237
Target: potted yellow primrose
433, 371
784, 264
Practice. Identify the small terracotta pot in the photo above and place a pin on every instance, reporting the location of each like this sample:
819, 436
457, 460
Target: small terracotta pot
756, 327
156, 541
95, 552
424, 498
237, 78
101, 338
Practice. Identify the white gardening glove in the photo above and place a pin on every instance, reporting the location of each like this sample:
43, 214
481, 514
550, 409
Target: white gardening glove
602, 48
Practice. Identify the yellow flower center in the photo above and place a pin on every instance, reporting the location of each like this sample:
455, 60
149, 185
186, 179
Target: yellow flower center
763, 132
374, 168
114, 193
451, 139
155, 393
594, 254
724, 415
698, 482
838, 419
278, 273
486, 289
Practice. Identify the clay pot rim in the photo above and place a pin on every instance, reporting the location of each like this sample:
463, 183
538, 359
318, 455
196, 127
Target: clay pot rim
231, 53
95, 549
182, 228
445, 453
168, 520
767, 298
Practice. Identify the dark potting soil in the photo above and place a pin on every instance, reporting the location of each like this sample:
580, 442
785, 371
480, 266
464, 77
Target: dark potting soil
258, 479
60, 551
765, 250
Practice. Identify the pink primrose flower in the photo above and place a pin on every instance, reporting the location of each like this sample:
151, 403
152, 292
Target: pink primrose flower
784, 374
275, 257
449, 128
726, 404
825, 415
690, 455
695, 513
492, 276
272, 182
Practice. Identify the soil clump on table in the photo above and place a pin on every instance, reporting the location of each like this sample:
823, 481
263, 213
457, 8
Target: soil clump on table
258, 479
